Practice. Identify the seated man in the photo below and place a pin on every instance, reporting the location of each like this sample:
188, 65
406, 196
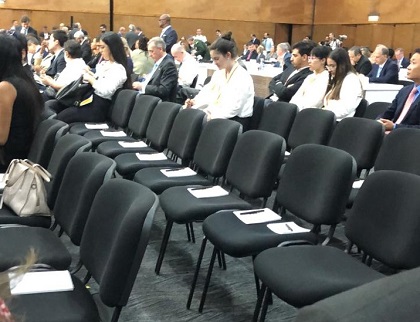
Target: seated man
162, 81
405, 109
359, 61
199, 49
251, 53
385, 70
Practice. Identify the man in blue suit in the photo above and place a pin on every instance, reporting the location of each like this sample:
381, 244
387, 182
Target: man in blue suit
405, 109
385, 70
168, 34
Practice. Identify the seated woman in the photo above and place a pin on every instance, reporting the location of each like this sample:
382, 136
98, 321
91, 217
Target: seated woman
344, 91
111, 75
143, 63
260, 56
311, 93
230, 93
20, 104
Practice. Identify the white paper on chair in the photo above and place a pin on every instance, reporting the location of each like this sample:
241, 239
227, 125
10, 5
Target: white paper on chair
208, 192
41, 282
2, 183
101, 126
113, 134
286, 228
358, 184
182, 172
286, 153
139, 144
151, 157
256, 216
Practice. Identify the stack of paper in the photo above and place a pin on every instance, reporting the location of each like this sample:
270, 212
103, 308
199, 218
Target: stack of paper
101, 126
113, 134
358, 184
137, 144
256, 216
286, 228
41, 282
208, 192
182, 172
151, 157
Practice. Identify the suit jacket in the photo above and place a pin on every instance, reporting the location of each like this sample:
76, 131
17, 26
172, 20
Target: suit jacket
170, 37
389, 73
256, 41
131, 37
412, 118
31, 31
57, 65
404, 63
164, 81
363, 66
254, 55
285, 88
86, 51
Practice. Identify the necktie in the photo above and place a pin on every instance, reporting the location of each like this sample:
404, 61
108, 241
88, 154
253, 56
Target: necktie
379, 71
249, 55
407, 105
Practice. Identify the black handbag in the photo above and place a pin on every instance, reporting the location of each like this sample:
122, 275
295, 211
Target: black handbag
74, 93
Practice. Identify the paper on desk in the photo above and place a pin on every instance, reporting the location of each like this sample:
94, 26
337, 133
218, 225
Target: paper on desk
113, 134
256, 216
209, 192
138, 144
42, 282
101, 126
151, 157
182, 172
358, 184
286, 228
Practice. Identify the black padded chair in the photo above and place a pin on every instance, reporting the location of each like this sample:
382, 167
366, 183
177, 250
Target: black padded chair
361, 108
211, 158
182, 141
66, 147
384, 224
278, 117
315, 187
252, 171
111, 250
374, 110
257, 113
85, 174
120, 113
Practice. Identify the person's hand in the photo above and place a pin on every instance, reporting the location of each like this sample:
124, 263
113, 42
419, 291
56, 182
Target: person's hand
46, 80
189, 103
389, 125
137, 86
88, 77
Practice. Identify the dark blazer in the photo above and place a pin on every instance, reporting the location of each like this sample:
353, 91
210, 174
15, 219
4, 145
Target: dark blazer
389, 73
131, 37
254, 55
57, 65
412, 118
86, 51
404, 63
164, 80
170, 37
363, 66
255, 41
285, 88
31, 31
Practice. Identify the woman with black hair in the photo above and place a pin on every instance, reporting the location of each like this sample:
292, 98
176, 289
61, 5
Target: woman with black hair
143, 63
111, 74
230, 93
20, 104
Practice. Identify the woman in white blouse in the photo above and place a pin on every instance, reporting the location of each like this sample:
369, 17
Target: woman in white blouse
311, 93
344, 91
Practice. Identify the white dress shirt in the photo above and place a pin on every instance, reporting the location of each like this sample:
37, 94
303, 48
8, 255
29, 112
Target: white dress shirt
110, 76
74, 69
188, 70
201, 37
311, 93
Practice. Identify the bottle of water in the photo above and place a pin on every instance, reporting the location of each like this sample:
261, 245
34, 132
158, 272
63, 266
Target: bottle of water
261, 67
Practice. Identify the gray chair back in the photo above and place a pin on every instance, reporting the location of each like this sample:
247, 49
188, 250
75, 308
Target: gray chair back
278, 117
140, 116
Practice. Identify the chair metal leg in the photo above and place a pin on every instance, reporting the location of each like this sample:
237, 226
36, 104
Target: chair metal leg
60, 232
197, 270
369, 261
259, 303
53, 226
192, 232
207, 282
265, 305
116, 314
162, 251
223, 261
187, 226
330, 235
257, 280
219, 259
264, 202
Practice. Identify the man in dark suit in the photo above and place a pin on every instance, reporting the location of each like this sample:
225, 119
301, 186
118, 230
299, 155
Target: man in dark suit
401, 61
25, 27
405, 109
131, 36
79, 36
255, 40
168, 34
385, 70
361, 63
251, 53
283, 86
283, 56
55, 45
162, 81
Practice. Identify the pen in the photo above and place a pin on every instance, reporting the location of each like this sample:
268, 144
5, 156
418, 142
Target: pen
176, 169
251, 212
202, 188
288, 227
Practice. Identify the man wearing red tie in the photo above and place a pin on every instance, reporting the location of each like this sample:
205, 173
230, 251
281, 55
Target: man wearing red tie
405, 109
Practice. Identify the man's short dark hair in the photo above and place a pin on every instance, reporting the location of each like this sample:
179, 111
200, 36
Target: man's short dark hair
102, 25
356, 50
304, 47
61, 36
25, 19
73, 48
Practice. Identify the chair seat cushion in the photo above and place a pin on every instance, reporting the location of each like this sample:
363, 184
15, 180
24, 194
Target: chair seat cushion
155, 180
230, 235
15, 243
180, 206
77, 305
8, 217
112, 148
79, 128
96, 137
303, 275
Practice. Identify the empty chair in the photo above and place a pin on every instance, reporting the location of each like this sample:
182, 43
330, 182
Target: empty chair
278, 118
111, 250
361, 108
383, 223
85, 174
211, 158
374, 110
257, 112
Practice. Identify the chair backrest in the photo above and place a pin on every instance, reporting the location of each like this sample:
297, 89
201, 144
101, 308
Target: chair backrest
122, 107
66, 147
361, 108
384, 220
360, 137
255, 163
316, 183
215, 146
115, 237
278, 117
311, 125
160, 124
257, 112
140, 116
375, 109
46, 136
84, 175
399, 151
185, 133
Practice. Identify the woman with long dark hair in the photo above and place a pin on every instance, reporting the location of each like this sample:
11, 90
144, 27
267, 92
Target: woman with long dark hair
143, 63
20, 104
